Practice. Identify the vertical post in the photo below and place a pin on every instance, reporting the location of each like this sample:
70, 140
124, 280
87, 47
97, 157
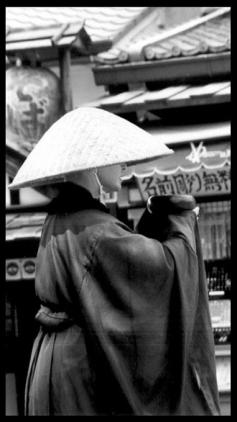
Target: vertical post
65, 75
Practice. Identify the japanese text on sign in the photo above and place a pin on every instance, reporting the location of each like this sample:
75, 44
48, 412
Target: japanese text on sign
202, 182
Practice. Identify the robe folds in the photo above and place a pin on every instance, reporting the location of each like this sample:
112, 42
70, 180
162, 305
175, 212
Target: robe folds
124, 320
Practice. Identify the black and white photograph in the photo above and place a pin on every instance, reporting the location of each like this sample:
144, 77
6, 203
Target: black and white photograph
117, 211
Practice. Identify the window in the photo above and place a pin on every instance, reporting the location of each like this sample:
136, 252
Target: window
214, 226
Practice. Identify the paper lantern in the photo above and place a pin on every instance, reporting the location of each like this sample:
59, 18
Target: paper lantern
33, 102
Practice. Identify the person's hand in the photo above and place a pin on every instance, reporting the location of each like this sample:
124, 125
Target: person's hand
197, 210
170, 204
165, 214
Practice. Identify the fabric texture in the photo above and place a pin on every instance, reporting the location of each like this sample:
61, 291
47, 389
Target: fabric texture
124, 325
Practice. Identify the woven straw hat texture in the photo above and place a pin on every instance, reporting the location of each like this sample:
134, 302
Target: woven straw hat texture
83, 139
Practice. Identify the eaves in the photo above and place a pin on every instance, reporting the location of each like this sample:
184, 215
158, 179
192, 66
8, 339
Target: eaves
47, 41
185, 68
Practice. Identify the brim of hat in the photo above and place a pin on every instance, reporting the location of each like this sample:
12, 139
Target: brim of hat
62, 177
85, 139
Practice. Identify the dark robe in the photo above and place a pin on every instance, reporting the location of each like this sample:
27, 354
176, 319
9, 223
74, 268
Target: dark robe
124, 325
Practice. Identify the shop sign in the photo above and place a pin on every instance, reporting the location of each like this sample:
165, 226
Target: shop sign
190, 158
202, 182
199, 153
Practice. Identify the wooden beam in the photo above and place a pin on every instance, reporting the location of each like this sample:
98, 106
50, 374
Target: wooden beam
165, 105
59, 34
65, 74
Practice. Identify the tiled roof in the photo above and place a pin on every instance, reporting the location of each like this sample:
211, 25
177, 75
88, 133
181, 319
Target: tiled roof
166, 98
99, 22
208, 34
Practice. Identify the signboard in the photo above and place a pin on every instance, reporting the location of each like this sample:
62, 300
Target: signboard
201, 182
20, 269
13, 269
195, 169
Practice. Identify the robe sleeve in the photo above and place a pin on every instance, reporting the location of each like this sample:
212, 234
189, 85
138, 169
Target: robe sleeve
137, 271
134, 305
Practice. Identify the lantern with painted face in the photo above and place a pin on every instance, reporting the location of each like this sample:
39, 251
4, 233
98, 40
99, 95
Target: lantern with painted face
33, 102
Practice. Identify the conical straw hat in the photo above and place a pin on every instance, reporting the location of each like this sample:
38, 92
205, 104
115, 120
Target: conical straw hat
83, 139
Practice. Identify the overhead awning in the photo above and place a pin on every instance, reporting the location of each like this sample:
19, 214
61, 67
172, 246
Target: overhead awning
24, 225
170, 97
47, 41
56, 35
172, 135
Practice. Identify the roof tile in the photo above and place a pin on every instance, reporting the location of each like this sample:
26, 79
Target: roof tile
204, 39
100, 22
211, 36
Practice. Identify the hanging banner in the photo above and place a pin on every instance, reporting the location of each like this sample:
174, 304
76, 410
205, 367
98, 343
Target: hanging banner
198, 169
202, 182
186, 158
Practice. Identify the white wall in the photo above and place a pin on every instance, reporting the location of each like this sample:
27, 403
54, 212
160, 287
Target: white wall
29, 196
83, 86
7, 192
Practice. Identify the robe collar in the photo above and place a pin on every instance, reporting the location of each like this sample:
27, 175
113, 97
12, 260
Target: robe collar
74, 198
